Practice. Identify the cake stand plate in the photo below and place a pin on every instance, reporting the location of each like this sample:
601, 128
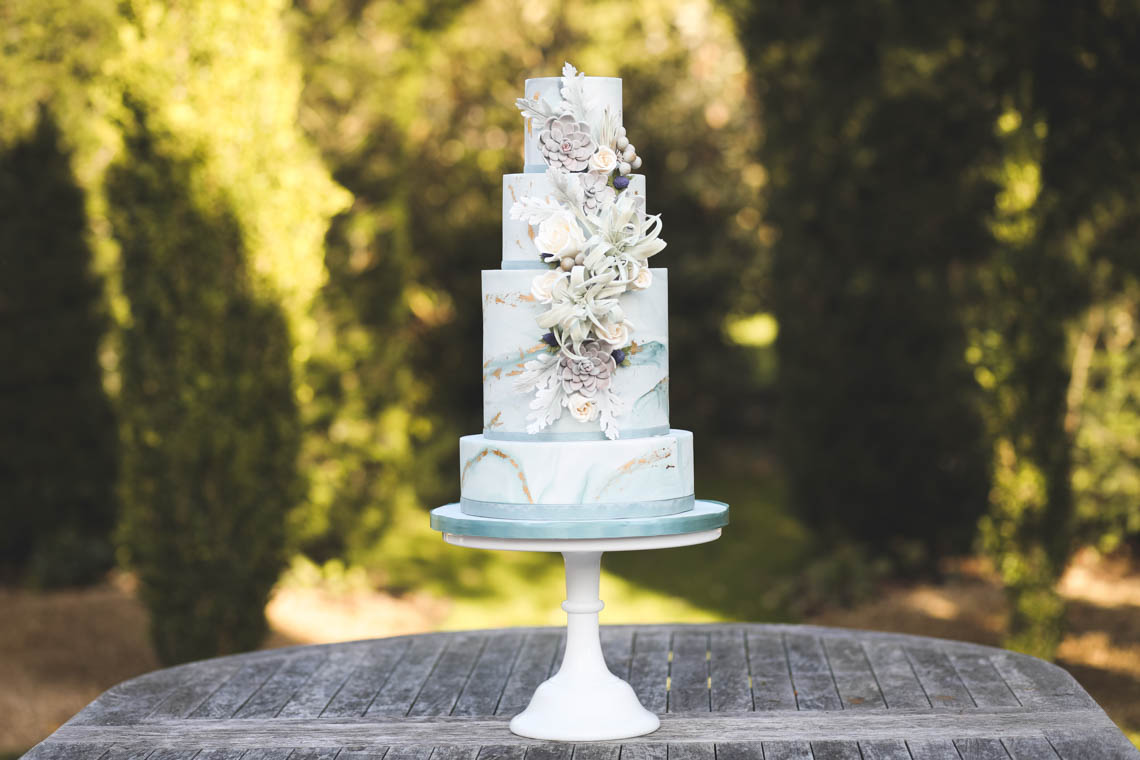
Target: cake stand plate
584, 701
705, 515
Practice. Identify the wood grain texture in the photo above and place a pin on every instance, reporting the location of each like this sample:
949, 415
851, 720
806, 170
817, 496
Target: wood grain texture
724, 692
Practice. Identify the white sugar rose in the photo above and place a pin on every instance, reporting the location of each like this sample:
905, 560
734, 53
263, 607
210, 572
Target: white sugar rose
581, 408
604, 160
560, 235
615, 334
543, 285
643, 280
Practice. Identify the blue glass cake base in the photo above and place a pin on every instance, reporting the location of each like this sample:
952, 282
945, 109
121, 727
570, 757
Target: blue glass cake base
705, 515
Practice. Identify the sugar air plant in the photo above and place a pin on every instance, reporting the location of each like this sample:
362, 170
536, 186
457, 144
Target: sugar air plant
598, 240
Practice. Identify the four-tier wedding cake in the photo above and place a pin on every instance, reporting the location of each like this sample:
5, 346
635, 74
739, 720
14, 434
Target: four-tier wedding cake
575, 328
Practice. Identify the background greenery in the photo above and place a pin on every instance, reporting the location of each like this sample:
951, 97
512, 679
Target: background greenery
241, 244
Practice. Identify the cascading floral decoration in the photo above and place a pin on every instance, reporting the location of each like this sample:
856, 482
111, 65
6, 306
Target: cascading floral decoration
598, 240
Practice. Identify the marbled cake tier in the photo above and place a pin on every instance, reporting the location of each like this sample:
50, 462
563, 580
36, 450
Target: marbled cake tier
519, 251
511, 338
601, 92
577, 480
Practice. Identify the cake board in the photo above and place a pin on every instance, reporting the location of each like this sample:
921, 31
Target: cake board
583, 701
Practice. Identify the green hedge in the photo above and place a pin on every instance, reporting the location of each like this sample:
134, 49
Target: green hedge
57, 430
210, 422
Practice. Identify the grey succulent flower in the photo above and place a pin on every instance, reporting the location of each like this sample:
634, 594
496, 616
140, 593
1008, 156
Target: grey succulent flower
596, 191
589, 375
566, 143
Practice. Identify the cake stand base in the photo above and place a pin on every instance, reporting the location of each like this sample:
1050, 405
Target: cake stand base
584, 701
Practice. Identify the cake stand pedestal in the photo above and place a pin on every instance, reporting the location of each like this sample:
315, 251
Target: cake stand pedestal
583, 701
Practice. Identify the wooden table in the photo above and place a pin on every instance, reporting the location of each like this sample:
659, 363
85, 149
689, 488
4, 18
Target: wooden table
725, 692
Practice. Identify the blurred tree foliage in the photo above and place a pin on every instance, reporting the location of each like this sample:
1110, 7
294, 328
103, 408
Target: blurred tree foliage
411, 103
877, 132
955, 188
58, 447
209, 228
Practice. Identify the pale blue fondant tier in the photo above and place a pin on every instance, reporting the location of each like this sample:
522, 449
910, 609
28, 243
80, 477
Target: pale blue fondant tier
628, 477
511, 338
705, 515
601, 93
519, 250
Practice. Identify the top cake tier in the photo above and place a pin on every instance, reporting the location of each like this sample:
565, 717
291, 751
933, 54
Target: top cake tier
601, 93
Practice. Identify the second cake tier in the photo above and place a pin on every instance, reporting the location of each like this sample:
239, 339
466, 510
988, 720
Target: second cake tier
577, 480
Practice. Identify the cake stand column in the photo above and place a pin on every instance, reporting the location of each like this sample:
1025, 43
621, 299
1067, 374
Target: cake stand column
583, 701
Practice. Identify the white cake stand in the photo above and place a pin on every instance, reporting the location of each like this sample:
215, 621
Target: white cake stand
583, 701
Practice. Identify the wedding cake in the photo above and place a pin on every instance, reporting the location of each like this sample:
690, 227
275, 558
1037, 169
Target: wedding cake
575, 328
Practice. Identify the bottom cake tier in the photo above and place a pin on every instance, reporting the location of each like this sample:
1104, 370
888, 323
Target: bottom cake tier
576, 480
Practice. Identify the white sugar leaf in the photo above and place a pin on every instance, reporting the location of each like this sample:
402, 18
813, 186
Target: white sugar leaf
574, 94
535, 109
534, 210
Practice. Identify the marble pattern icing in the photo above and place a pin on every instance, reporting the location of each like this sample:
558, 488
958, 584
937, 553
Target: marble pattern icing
511, 337
602, 91
578, 472
518, 236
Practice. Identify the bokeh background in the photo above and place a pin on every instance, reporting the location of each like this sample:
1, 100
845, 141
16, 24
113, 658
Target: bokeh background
240, 245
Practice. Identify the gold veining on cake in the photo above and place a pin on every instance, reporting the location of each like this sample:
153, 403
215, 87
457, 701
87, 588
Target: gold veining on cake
495, 421
501, 455
657, 455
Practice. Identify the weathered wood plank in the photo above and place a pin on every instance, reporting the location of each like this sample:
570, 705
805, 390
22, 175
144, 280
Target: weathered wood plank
1038, 683
1093, 743
689, 673
320, 689
375, 668
768, 670
982, 681
936, 673
453, 752
530, 669
739, 751
932, 749
506, 751
400, 690
120, 752
219, 754
897, 680
617, 648
885, 749
443, 686
835, 750
266, 753
362, 753
854, 725
780, 750
811, 673
692, 751
408, 752
854, 678
548, 751
595, 751
480, 696
1029, 748
193, 686
49, 750
981, 749
650, 669
728, 672
645, 752
314, 754
224, 702
282, 685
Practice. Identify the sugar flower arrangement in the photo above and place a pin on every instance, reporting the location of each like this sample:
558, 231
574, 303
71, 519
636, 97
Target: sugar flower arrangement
598, 240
